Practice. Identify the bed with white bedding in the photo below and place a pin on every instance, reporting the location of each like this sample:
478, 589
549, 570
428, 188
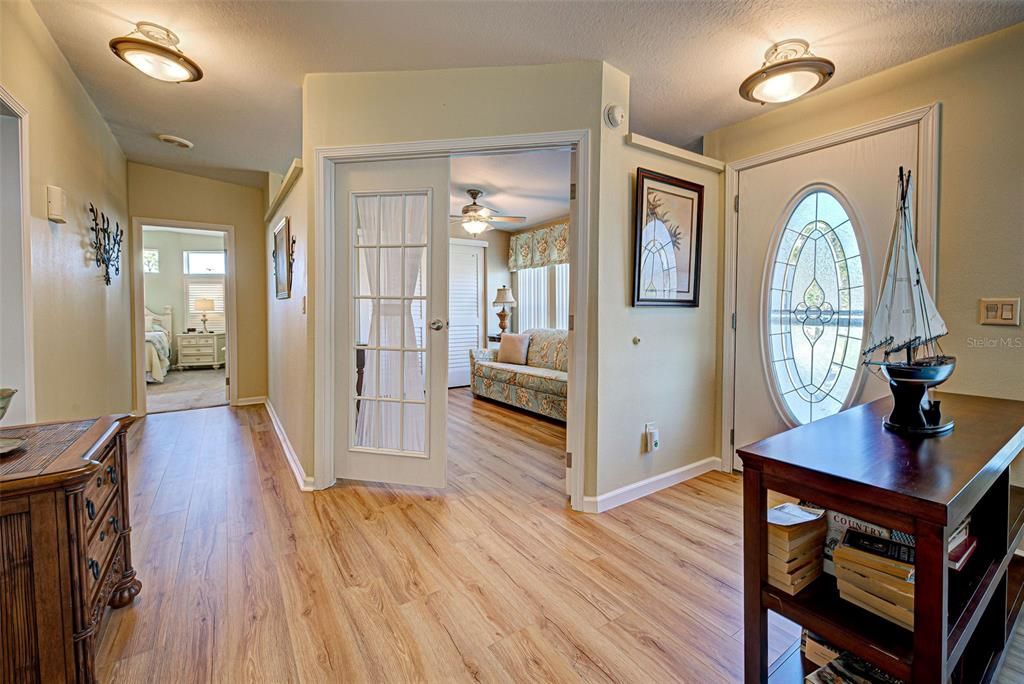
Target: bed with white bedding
158, 344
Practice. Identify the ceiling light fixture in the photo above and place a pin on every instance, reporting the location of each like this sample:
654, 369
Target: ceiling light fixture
176, 141
156, 54
475, 227
789, 71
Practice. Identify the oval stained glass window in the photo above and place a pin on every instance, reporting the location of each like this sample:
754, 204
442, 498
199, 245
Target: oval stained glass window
815, 309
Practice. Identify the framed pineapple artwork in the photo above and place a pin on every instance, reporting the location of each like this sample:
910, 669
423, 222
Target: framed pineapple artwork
668, 216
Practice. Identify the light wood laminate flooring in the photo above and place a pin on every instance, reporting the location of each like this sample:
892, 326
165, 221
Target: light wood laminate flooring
247, 579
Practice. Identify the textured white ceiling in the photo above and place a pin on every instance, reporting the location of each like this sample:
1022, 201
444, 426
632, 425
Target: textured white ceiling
531, 184
686, 59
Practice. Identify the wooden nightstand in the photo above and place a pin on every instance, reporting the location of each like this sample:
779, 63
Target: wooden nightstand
197, 350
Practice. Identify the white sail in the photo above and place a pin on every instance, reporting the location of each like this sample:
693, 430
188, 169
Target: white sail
905, 315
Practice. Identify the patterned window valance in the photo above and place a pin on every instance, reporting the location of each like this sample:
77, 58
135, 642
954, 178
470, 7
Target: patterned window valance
536, 248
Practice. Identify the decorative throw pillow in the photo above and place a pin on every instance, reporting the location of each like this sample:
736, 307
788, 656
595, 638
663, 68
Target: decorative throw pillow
513, 348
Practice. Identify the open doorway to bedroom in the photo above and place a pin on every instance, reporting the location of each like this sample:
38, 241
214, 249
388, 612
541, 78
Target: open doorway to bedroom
185, 316
508, 320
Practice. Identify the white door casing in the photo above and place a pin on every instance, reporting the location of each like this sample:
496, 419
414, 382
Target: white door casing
327, 390
466, 306
17, 365
861, 175
925, 122
138, 296
391, 230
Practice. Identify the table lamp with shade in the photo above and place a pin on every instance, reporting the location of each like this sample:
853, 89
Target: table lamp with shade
504, 299
204, 304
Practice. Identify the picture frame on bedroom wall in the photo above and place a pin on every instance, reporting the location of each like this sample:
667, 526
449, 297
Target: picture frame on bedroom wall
283, 257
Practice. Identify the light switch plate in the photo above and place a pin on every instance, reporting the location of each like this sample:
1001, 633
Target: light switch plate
999, 311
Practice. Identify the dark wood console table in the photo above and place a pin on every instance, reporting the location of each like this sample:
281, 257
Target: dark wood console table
926, 487
65, 546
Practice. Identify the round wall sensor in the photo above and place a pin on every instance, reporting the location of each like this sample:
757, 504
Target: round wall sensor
176, 141
614, 115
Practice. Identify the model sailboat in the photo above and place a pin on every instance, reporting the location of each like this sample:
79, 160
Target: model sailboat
905, 330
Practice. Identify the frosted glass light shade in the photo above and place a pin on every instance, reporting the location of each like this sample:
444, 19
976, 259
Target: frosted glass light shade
789, 71
156, 61
785, 87
475, 227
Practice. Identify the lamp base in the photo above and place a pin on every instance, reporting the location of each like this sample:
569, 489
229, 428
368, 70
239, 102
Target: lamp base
503, 319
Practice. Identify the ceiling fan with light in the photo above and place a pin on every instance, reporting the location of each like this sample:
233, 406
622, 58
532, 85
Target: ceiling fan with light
476, 218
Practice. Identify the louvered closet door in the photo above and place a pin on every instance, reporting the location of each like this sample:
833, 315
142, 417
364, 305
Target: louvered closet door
465, 309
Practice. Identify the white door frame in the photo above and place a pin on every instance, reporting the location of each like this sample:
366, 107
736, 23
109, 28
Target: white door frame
926, 187
324, 305
139, 305
28, 391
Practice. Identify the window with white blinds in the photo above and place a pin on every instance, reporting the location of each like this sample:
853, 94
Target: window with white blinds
210, 287
542, 297
560, 276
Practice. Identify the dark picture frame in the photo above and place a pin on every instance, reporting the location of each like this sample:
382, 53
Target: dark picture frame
666, 265
283, 256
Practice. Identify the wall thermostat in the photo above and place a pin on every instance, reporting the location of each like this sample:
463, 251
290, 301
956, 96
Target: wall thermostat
614, 115
56, 204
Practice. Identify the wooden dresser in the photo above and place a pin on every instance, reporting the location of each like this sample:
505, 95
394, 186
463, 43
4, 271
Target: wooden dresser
65, 547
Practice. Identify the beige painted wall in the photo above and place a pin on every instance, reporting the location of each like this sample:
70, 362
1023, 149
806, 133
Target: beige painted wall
496, 266
351, 109
289, 356
672, 376
161, 194
383, 107
82, 340
167, 288
980, 85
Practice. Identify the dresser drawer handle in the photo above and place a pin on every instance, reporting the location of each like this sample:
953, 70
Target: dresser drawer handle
99, 481
90, 509
112, 472
115, 524
103, 535
94, 568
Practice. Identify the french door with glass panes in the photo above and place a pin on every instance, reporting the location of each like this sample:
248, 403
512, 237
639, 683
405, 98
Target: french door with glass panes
392, 251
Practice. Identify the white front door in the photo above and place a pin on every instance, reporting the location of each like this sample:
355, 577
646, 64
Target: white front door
812, 234
392, 296
465, 308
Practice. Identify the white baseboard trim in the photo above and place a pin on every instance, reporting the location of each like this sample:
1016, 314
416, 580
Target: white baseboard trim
250, 401
632, 492
305, 482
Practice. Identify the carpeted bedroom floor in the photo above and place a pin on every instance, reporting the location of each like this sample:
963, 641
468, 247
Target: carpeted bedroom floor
186, 389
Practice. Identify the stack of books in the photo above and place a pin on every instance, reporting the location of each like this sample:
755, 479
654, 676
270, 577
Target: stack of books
961, 546
877, 575
849, 669
816, 649
795, 549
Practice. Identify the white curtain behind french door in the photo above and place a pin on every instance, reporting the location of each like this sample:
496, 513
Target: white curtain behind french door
391, 239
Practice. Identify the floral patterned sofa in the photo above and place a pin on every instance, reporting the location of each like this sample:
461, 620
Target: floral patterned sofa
540, 386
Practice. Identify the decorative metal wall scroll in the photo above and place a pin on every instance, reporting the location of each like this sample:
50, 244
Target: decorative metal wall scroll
106, 243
